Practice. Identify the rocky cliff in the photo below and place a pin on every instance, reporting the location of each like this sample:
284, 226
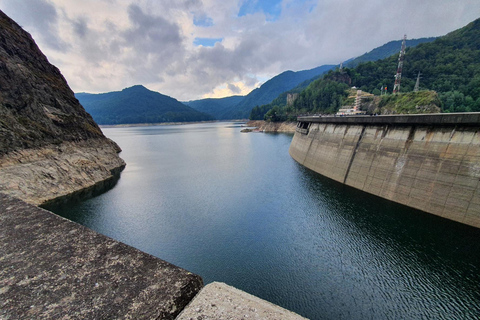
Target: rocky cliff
49, 145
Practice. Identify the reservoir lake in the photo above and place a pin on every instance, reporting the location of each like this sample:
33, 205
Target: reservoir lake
236, 208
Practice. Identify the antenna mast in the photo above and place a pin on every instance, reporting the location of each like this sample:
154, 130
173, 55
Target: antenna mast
398, 76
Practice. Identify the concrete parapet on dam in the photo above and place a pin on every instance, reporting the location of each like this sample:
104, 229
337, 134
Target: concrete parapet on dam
428, 162
52, 268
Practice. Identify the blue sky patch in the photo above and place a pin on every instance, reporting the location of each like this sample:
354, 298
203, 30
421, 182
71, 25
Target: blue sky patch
206, 42
271, 8
202, 21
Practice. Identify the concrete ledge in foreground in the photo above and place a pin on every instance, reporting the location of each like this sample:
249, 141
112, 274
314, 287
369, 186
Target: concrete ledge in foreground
52, 268
220, 301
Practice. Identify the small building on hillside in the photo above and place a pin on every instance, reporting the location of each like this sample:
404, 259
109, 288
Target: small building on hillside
355, 108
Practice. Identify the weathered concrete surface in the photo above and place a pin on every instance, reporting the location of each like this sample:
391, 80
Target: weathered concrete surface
52, 268
222, 302
464, 118
429, 162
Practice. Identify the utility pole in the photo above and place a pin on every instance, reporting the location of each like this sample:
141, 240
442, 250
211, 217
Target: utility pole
417, 84
401, 57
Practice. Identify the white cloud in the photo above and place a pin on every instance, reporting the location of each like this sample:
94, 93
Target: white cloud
106, 45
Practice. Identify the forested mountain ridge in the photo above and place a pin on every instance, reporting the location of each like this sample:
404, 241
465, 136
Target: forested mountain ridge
386, 50
275, 86
137, 104
382, 52
449, 65
221, 108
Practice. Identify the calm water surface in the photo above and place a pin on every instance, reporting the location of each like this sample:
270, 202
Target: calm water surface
235, 207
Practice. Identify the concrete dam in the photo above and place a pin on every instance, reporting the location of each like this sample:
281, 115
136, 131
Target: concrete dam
430, 162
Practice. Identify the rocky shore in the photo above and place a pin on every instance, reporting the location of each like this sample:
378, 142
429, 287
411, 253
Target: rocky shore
39, 176
264, 126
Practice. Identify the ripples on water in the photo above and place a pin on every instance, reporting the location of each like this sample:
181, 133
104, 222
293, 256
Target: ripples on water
236, 208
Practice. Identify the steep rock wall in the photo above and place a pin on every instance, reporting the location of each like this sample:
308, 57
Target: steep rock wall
434, 168
49, 145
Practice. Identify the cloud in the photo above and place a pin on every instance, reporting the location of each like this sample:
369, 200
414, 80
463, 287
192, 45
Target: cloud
80, 27
190, 49
38, 14
234, 89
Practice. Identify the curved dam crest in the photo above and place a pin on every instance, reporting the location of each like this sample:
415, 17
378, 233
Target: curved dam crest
428, 162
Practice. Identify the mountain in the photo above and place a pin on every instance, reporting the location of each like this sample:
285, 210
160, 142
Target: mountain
450, 81
450, 65
224, 108
217, 107
384, 51
275, 86
49, 145
137, 104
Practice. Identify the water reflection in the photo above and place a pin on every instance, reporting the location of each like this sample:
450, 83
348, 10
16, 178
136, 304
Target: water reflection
235, 207
413, 263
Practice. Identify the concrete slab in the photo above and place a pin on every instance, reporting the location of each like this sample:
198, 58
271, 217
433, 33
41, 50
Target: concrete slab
52, 268
219, 301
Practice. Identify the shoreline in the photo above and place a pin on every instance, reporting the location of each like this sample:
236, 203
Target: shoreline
127, 125
272, 127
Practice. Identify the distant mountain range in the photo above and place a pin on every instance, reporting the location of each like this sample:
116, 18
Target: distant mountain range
223, 109
137, 104
220, 108
289, 81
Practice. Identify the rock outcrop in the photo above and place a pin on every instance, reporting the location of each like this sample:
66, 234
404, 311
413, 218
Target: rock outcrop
265, 126
49, 145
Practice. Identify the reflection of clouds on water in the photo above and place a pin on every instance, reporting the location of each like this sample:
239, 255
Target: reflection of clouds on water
236, 208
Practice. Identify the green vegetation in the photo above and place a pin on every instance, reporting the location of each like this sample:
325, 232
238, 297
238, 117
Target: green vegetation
137, 104
410, 102
450, 65
220, 108
225, 109
321, 96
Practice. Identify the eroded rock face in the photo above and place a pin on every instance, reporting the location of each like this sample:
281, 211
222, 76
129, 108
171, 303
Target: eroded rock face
49, 145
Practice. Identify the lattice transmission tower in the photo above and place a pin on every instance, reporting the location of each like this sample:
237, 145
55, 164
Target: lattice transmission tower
398, 76
417, 84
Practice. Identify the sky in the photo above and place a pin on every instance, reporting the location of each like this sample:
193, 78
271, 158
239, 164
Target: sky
193, 49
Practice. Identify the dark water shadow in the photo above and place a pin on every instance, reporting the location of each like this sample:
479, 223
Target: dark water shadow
62, 203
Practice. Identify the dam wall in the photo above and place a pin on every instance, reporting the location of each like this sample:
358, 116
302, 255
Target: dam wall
428, 162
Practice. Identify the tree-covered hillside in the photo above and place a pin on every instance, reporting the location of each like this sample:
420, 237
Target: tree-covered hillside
275, 86
137, 104
382, 52
449, 65
220, 108
321, 96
